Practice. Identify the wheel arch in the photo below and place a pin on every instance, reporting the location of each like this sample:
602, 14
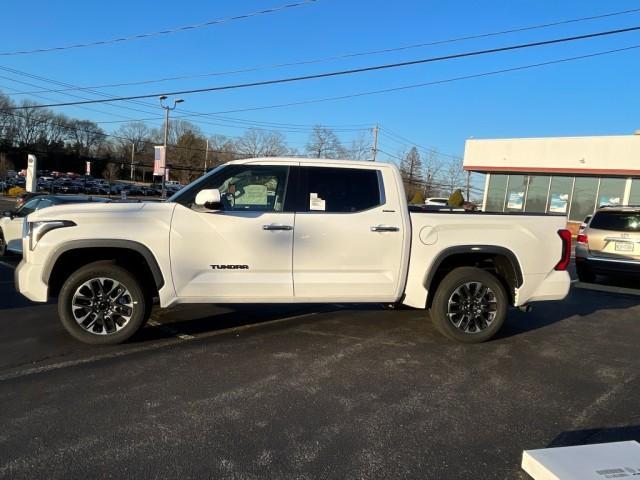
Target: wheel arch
500, 261
71, 255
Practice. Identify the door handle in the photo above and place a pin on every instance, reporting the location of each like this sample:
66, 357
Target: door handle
277, 227
384, 228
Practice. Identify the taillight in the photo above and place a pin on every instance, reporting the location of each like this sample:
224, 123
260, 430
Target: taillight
582, 238
565, 258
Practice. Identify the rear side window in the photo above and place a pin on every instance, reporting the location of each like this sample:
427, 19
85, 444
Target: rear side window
618, 221
339, 190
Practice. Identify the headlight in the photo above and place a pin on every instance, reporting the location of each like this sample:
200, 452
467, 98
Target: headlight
37, 230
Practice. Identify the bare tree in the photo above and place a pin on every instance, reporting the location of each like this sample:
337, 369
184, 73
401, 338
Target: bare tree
221, 150
432, 169
453, 176
111, 172
133, 134
360, 148
7, 121
85, 137
29, 123
411, 170
324, 143
261, 143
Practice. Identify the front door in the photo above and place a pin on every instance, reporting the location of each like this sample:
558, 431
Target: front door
349, 239
243, 251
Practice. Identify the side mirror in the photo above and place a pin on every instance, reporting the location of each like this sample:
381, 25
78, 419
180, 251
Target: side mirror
209, 199
7, 213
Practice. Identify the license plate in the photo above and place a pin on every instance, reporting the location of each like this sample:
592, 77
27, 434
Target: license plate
624, 247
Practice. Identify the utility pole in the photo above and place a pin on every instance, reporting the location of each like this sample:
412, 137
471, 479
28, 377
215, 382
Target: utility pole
206, 156
468, 185
374, 149
133, 154
167, 109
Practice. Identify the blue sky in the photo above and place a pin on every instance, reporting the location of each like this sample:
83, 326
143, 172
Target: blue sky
588, 97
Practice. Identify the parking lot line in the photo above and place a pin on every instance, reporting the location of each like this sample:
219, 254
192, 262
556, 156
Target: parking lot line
148, 347
607, 288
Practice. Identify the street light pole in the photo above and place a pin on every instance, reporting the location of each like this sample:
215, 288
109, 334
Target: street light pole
167, 109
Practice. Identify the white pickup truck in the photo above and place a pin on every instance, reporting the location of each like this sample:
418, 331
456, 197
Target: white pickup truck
284, 230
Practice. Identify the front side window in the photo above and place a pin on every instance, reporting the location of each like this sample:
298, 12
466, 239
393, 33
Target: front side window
242, 188
339, 190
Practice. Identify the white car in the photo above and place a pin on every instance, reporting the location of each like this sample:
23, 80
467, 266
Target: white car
12, 223
287, 230
437, 201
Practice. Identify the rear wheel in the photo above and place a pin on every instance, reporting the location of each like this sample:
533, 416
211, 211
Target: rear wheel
585, 274
103, 304
469, 306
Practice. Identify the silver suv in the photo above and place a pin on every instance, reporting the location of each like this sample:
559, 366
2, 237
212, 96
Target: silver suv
610, 244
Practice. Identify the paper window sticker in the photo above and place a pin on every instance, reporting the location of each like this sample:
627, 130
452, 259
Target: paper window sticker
316, 203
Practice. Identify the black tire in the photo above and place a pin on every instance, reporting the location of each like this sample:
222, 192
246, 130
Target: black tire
3, 245
585, 274
487, 308
105, 324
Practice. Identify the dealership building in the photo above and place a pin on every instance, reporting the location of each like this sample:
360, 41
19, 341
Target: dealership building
562, 175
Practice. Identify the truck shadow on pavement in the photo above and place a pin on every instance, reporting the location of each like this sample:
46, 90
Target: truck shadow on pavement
580, 303
197, 320
596, 435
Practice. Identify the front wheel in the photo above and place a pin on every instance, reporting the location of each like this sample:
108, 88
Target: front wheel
469, 306
102, 304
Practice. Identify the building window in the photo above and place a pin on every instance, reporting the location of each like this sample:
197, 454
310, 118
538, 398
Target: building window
560, 195
516, 189
496, 193
537, 194
584, 198
634, 198
611, 191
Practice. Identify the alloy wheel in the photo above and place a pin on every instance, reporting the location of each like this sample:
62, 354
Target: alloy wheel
102, 306
472, 307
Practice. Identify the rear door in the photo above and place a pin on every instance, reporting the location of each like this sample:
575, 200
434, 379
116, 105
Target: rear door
348, 240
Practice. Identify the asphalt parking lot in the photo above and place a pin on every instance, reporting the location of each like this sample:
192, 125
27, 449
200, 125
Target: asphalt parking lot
312, 392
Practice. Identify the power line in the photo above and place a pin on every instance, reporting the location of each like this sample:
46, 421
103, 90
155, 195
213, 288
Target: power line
353, 70
405, 141
348, 55
291, 127
411, 86
161, 32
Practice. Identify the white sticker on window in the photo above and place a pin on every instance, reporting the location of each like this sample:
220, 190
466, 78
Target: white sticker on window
315, 202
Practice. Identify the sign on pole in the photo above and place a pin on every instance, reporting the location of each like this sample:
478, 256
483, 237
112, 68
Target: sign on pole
159, 161
88, 169
31, 184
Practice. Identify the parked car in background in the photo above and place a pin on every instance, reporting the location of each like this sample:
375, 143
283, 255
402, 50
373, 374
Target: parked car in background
12, 222
609, 244
437, 201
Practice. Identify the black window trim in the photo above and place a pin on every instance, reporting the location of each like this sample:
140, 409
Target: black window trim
301, 197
